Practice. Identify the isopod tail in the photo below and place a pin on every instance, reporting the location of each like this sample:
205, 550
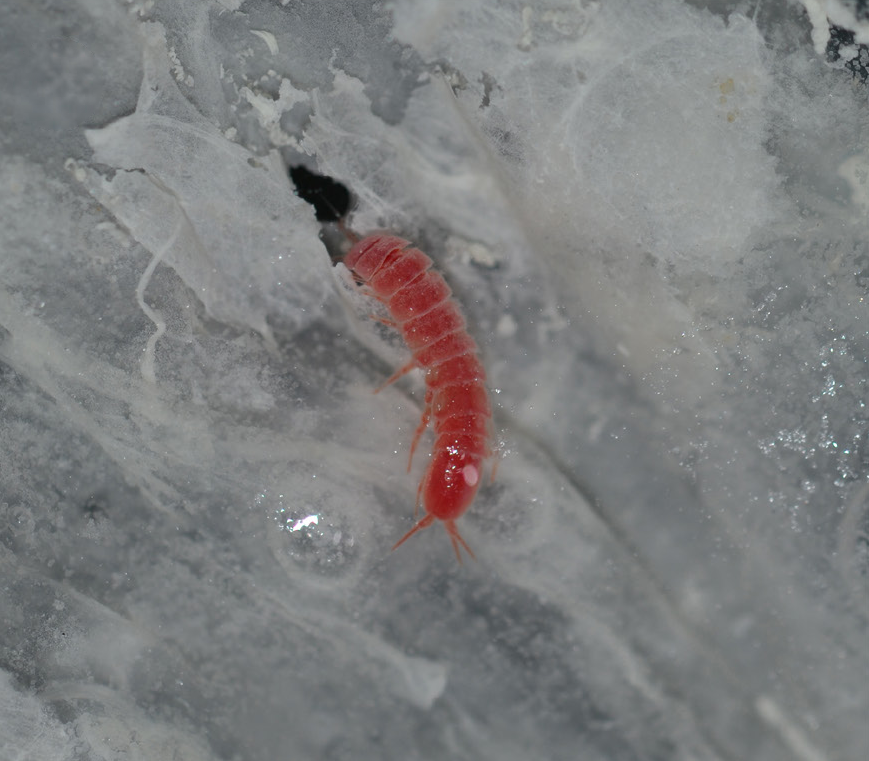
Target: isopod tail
424, 523
456, 539
452, 530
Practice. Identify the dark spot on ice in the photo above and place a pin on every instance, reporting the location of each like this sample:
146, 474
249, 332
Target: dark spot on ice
330, 199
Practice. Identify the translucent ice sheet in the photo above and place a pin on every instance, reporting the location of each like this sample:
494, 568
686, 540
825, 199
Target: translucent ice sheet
654, 216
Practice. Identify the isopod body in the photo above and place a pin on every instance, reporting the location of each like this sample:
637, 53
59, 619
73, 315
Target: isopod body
422, 309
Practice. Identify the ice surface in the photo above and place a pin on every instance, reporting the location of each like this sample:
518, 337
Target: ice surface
654, 217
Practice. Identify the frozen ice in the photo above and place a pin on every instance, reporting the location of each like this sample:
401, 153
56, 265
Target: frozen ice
654, 218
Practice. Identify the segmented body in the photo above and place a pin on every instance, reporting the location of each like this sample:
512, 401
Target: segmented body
456, 402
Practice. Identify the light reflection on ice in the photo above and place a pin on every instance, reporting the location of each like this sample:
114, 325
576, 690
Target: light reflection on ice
308, 520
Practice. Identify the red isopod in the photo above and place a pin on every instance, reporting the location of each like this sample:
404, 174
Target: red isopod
456, 401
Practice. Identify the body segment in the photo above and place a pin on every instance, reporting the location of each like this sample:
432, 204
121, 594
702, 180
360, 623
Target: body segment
456, 402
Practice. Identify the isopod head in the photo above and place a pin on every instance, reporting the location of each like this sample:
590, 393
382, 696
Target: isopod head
366, 256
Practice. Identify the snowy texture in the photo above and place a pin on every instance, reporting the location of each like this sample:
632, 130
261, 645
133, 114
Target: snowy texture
654, 217
174, 190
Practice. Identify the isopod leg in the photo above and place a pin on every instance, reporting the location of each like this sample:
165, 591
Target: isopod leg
420, 429
424, 523
384, 321
396, 375
456, 539
418, 498
493, 453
